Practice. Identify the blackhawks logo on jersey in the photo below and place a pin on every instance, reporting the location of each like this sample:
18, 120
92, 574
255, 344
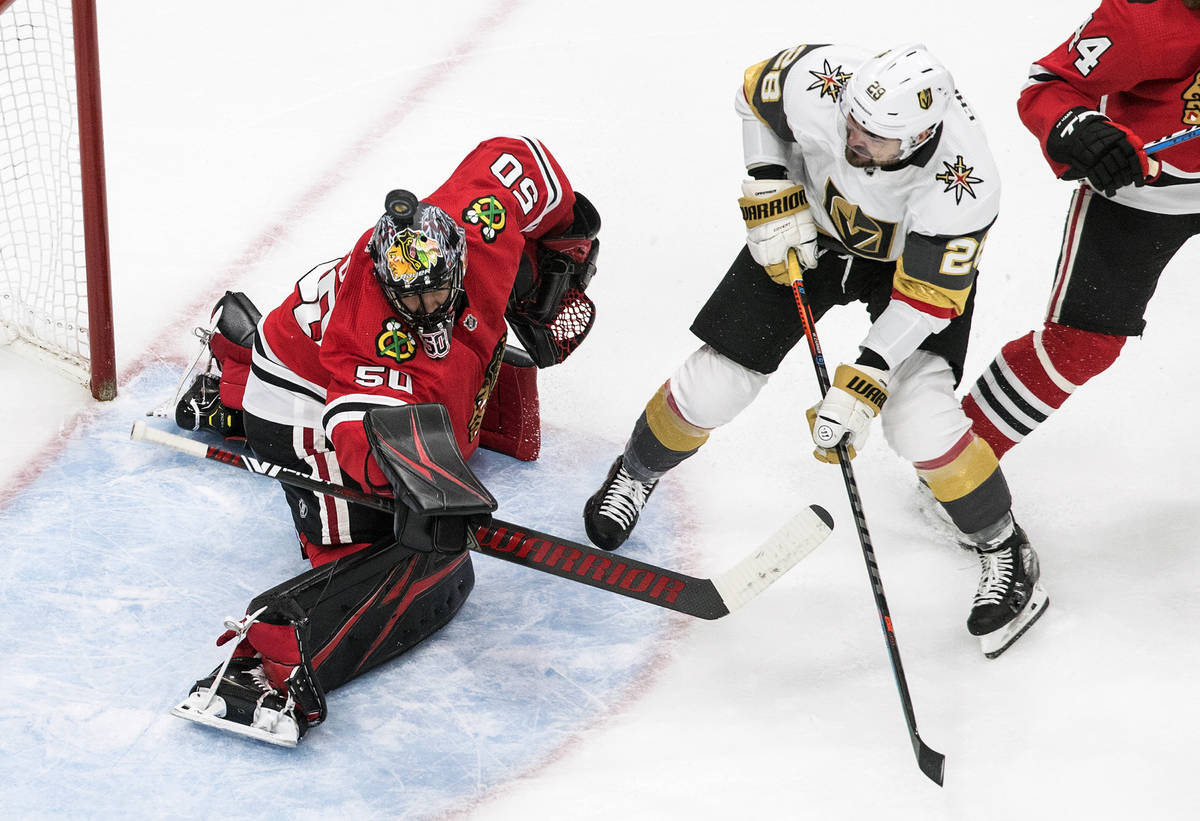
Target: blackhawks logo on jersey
412, 254
488, 214
394, 342
958, 178
485, 390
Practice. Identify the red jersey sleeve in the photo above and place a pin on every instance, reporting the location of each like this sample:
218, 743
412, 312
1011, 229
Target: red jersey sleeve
508, 184
1136, 62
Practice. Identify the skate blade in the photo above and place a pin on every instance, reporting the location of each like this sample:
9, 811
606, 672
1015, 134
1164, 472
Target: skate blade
286, 734
996, 642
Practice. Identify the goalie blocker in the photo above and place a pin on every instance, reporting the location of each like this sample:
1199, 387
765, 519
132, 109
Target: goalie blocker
324, 627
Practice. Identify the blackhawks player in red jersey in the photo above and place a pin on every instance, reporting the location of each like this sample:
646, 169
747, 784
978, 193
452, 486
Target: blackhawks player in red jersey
875, 171
1129, 74
383, 371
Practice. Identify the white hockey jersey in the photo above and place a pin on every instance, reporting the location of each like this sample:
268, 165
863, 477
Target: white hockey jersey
930, 213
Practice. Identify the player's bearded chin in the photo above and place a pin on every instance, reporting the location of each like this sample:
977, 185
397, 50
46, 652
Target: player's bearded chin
1192, 4
861, 160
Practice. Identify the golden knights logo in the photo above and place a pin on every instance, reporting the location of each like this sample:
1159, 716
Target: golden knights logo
412, 254
958, 179
394, 342
925, 98
830, 81
489, 214
861, 233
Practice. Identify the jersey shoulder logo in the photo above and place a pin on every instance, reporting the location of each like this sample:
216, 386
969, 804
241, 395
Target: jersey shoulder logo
488, 213
829, 81
959, 179
394, 342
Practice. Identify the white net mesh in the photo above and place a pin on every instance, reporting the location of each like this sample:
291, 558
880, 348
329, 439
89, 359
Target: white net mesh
43, 286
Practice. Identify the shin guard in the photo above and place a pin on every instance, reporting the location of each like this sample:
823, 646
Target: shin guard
661, 437
968, 483
1032, 377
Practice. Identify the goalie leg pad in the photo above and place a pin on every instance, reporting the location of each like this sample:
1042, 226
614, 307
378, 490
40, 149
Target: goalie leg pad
233, 343
512, 423
344, 618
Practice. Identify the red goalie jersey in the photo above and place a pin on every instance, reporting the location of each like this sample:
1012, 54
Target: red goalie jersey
1138, 63
335, 348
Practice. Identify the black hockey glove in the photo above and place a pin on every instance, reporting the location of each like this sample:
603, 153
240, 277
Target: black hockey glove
1109, 155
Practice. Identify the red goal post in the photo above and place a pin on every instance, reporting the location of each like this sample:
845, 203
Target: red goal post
55, 290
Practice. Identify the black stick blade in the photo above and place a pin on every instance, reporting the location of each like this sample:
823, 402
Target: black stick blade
931, 762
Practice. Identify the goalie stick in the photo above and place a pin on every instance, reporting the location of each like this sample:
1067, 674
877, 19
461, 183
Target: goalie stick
931, 762
705, 598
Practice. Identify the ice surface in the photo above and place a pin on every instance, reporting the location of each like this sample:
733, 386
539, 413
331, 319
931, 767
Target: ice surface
248, 141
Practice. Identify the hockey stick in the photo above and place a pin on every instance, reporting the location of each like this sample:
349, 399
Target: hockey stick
1178, 137
931, 762
699, 597
1181, 136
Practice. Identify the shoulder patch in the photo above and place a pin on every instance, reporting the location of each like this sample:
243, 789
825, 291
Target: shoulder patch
959, 179
829, 81
488, 213
393, 342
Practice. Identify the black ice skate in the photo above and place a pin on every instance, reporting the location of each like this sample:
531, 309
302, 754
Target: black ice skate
244, 703
201, 409
1010, 598
609, 516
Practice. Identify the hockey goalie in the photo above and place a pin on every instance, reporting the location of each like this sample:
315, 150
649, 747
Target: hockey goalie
383, 371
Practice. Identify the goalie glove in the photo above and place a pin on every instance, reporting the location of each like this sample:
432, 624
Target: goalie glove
777, 219
852, 401
1093, 146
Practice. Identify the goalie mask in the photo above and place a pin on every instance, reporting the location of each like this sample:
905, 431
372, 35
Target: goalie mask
892, 105
420, 256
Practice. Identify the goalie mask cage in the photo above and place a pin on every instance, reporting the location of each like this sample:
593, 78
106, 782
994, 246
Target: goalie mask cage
55, 296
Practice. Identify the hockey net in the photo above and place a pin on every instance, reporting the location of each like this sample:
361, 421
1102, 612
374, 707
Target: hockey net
55, 299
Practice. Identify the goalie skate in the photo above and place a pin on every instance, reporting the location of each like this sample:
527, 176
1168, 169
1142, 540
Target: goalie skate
245, 704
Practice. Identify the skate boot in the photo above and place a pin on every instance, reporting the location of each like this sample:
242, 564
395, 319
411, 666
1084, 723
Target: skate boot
201, 409
245, 703
1009, 598
609, 516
